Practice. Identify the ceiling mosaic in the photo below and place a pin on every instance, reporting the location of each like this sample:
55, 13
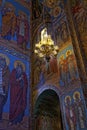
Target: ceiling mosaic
52, 8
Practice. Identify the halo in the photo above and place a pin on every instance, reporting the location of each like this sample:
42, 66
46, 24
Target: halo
51, 4
67, 98
6, 58
7, 4
22, 13
56, 11
75, 94
61, 57
68, 53
20, 63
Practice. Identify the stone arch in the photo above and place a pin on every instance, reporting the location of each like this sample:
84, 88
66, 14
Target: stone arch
47, 87
51, 107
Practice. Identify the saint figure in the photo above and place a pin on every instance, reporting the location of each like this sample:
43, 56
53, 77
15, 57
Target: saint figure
22, 30
70, 114
80, 112
18, 93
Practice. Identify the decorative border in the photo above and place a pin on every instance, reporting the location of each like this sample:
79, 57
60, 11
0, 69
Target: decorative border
14, 53
25, 4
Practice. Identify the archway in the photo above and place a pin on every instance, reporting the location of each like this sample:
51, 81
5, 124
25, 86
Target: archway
47, 111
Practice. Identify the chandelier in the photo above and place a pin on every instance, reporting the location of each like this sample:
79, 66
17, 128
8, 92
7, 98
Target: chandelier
46, 48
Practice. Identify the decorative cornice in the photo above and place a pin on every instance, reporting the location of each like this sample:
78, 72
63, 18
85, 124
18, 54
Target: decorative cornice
7, 47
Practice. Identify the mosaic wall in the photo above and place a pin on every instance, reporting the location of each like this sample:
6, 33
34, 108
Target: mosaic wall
14, 23
14, 65
79, 14
43, 70
75, 114
68, 72
61, 71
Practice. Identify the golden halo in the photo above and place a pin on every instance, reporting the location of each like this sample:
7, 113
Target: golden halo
56, 11
9, 5
75, 93
69, 52
6, 58
20, 63
67, 97
21, 13
51, 3
61, 57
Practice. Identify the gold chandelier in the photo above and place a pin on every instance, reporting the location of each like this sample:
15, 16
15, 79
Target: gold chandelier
46, 47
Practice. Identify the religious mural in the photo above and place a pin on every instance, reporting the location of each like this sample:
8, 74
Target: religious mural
22, 30
46, 11
18, 93
64, 66
57, 27
67, 66
55, 7
75, 112
62, 34
14, 25
4, 81
14, 90
8, 21
52, 8
44, 71
70, 114
80, 18
14, 65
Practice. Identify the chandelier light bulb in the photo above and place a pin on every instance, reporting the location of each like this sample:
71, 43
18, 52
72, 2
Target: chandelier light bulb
56, 47
54, 52
41, 55
36, 51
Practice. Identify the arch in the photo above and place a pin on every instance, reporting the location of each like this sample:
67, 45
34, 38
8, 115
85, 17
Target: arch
47, 87
47, 108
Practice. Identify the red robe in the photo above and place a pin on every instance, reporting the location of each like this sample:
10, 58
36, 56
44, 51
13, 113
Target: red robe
53, 65
18, 95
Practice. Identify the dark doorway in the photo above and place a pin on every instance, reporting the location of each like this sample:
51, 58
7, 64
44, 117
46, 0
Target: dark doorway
47, 112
